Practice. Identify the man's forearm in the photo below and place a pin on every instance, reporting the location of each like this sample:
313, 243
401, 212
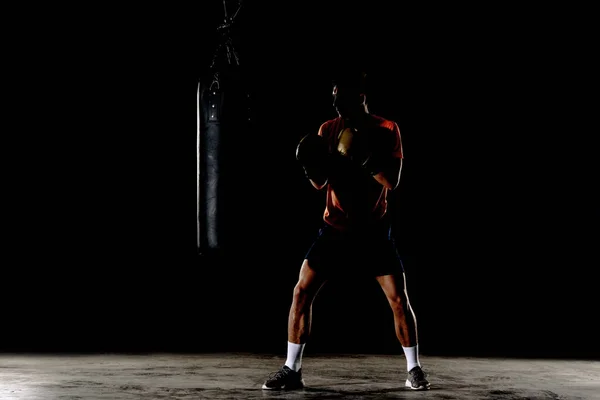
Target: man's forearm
385, 181
390, 177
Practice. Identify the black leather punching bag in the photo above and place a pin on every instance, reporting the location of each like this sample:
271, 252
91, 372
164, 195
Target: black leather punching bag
224, 113
210, 157
224, 124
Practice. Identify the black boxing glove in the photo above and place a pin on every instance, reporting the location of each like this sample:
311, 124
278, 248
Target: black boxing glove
313, 154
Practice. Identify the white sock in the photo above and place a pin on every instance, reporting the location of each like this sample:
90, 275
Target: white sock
412, 357
294, 356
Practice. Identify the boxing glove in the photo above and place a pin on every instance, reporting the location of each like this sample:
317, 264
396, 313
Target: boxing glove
370, 148
313, 154
361, 147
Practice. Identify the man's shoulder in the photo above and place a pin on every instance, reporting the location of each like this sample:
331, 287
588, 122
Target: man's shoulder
331, 125
331, 122
383, 122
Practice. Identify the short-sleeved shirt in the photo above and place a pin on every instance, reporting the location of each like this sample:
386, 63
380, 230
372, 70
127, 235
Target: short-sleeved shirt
364, 200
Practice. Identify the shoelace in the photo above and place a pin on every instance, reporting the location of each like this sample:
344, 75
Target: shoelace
282, 373
419, 374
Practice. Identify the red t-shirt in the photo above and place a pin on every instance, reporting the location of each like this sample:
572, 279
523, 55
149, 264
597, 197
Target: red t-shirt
365, 199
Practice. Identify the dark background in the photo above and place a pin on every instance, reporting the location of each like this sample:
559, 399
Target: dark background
496, 214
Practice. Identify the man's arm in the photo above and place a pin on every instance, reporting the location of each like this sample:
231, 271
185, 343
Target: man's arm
389, 176
385, 165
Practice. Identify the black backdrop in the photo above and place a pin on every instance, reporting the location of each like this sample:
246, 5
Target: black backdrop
496, 214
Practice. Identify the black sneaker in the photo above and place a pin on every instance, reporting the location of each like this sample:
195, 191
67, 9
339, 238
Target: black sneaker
416, 379
284, 379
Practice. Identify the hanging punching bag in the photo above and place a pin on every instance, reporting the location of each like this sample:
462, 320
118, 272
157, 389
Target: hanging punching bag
211, 188
223, 119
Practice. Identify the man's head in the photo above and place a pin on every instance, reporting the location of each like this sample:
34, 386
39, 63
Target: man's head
349, 93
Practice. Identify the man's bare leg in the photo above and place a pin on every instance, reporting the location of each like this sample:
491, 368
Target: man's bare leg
299, 322
405, 322
300, 317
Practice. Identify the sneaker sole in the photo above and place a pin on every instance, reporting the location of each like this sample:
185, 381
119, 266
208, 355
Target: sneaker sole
265, 387
409, 385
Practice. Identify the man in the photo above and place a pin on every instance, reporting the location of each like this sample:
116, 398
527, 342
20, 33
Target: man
357, 159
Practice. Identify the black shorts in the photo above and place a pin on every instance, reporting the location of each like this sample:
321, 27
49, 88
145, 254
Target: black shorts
369, 252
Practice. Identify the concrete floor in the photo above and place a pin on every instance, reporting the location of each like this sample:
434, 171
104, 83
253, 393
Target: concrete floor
240, 376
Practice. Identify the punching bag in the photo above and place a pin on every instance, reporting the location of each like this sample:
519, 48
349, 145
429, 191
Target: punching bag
210, 152
224, 111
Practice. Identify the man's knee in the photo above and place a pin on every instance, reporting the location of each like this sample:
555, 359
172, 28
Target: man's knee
308, 283
399, 301
300, 292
